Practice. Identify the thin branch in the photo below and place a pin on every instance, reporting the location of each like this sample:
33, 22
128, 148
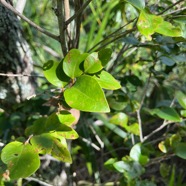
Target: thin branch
112, 34
139, 110
20, 75
61, 24
78, 12
171, 6
38, 181
11, 8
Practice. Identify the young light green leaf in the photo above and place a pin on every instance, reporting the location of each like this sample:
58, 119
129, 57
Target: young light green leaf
86, 95
167, 113
66, 118
92, 63
181, 97
120, 119
107, 81
104, 55
136, 154
22, 159
167, 29
180, 150
54, 73
72, 63
148, 23
139, 4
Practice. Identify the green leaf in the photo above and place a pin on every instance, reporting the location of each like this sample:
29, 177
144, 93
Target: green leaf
72, 63
139, 4
86, 95
104, 55
109, 163
120, 119
180, 150
66, 118
136, 154
181, 97
148, 23
22, 159
60, 151
42, 143
183, 113
167, 60
38, 127
92, 63
107, 81
167, 113
54, 73
167, 29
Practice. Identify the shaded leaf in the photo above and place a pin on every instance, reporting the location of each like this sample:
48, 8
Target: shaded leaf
119, 119
22, 159
167, 113
81, 95
139, 4
180, 150
104, 55
54, 73
167, 60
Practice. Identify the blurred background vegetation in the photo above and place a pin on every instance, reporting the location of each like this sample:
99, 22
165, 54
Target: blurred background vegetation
150, 72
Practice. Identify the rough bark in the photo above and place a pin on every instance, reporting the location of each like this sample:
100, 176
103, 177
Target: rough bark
15, 58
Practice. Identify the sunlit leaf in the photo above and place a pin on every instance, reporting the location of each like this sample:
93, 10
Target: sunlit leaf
81, 95
120, 119
181, 97
107, 81
92, 63
54, 73
65, 117
72, 63
22, 159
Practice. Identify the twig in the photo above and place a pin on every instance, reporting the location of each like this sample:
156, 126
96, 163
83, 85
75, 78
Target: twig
139, 110
37, 27
61, 24
170, 7
110, 35
78, 12
20, 75
175, 11
38, 181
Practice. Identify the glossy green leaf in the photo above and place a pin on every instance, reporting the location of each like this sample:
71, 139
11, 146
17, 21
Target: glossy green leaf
181, 97
72, 63
86, 95
180, 150
104, 55
60, 151
162, 146
120, 119
167, 29
92, 63
22, 159
136, 154
148, 23
139, 4
107, 81
109, 163
54, 73
167, 113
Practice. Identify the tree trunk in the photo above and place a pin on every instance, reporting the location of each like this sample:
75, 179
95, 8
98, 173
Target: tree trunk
15, 58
